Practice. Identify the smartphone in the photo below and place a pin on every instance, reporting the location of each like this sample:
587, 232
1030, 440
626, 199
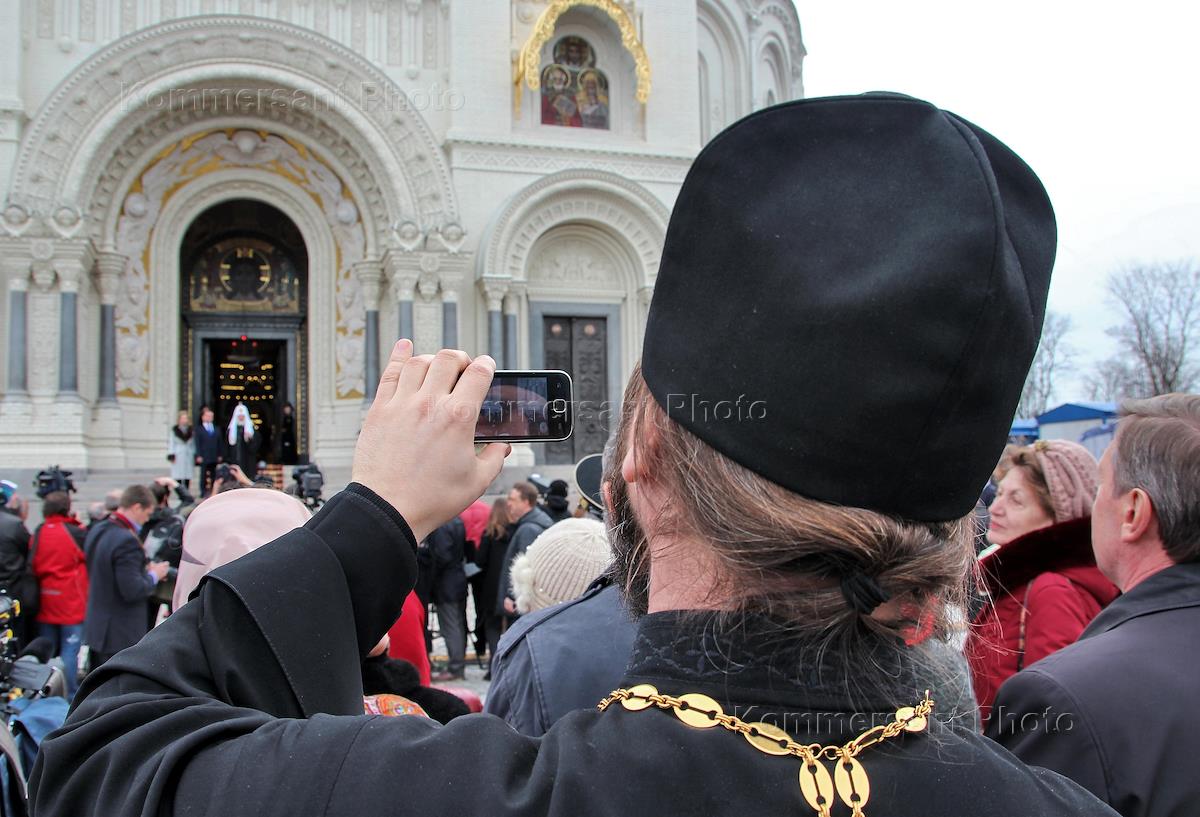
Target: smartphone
526, 407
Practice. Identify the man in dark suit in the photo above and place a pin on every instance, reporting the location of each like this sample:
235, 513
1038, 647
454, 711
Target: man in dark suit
208, 449
120, 580
448, 546
1113, 711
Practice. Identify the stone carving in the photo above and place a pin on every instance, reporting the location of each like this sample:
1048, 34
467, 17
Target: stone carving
547, 159
43, 337
66, 144
573, 263
205, 153
427, 326
628, 209
408, 235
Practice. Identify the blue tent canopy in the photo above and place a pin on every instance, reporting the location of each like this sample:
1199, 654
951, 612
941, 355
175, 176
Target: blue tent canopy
1073, 412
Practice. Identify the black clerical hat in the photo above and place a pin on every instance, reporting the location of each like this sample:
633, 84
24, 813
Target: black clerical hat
850, 295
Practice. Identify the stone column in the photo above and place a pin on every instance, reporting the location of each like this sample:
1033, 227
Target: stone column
370, 277
18, 286
402, 272
70, 273
110, 266
449, 318
494, 293
511, 302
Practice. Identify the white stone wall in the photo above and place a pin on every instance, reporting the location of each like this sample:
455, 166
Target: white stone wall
459, 194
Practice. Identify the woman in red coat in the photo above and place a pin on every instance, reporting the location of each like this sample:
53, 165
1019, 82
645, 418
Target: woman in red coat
1041, 578
61, 571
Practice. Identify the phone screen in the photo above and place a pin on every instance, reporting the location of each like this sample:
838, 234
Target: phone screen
526, 406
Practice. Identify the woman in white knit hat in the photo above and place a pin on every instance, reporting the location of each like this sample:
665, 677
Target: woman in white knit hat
560, 564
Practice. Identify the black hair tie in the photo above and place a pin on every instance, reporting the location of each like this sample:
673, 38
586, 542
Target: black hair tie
862, 592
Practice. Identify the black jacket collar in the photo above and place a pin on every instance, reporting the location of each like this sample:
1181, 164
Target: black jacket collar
751, 663
1170, 589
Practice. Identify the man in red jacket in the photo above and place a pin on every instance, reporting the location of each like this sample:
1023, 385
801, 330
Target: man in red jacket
61, 571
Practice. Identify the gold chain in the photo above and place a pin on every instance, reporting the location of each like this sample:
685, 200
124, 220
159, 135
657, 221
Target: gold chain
817, 786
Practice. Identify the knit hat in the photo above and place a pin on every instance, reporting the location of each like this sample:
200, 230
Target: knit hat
229, 525
1072, 476
560, 564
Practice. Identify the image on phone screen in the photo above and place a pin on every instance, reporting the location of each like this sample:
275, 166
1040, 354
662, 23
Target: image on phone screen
526, 406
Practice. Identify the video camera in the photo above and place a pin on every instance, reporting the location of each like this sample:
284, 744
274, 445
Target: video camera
18, 678
53, 479
539, 482
309, 484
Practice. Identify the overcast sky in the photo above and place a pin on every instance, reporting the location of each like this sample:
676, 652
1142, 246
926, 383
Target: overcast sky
1102, 100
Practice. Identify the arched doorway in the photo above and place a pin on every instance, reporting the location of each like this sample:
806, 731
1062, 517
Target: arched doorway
244, 305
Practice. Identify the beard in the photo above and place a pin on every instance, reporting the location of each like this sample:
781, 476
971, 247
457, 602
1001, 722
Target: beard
630, 569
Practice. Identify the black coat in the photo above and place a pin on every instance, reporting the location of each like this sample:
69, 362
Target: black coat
118, 586
217, 712
208, 446
1116, 710
490, 558
447, 546
14, 551
243, 453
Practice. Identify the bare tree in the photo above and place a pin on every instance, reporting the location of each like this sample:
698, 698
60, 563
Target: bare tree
1054, 357
1160, 306
1114, 379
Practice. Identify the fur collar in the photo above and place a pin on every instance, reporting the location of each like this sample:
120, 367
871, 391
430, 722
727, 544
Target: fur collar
1056, 548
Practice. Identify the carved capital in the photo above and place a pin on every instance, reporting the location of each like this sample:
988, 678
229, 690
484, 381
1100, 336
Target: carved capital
451, 286
43, 275
17, 272
512, 301
404, 287
494, 292
644, 295
110, 266
427, 284
370, 279
72, 263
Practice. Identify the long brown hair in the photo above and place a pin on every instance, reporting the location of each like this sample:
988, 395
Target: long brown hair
497, 521
782, 556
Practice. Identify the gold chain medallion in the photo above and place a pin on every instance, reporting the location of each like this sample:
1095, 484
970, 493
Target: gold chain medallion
817, 786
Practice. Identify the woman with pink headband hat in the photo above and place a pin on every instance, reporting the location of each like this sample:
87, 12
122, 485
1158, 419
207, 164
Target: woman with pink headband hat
1041, 577
232, 524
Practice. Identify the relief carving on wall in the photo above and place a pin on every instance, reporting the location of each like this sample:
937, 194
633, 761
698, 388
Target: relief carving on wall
572, 263
204, 153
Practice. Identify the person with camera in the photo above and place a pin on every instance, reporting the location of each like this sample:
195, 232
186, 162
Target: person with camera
61, 571
121, 580
162, 540
16, 573
790, 572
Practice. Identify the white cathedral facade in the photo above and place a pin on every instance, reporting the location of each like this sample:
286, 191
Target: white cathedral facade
213, 202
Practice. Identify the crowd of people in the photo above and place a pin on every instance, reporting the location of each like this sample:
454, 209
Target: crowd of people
106, 583
859, 602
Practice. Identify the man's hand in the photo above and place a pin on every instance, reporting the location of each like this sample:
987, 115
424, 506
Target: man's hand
167, 482
417, 448
239, 475
159, 569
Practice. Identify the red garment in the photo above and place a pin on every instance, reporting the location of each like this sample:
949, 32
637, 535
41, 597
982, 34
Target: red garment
1050, 572
61, 572
407, 637
475, 519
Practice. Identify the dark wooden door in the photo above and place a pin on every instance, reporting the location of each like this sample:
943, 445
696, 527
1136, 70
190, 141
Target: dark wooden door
579, 346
